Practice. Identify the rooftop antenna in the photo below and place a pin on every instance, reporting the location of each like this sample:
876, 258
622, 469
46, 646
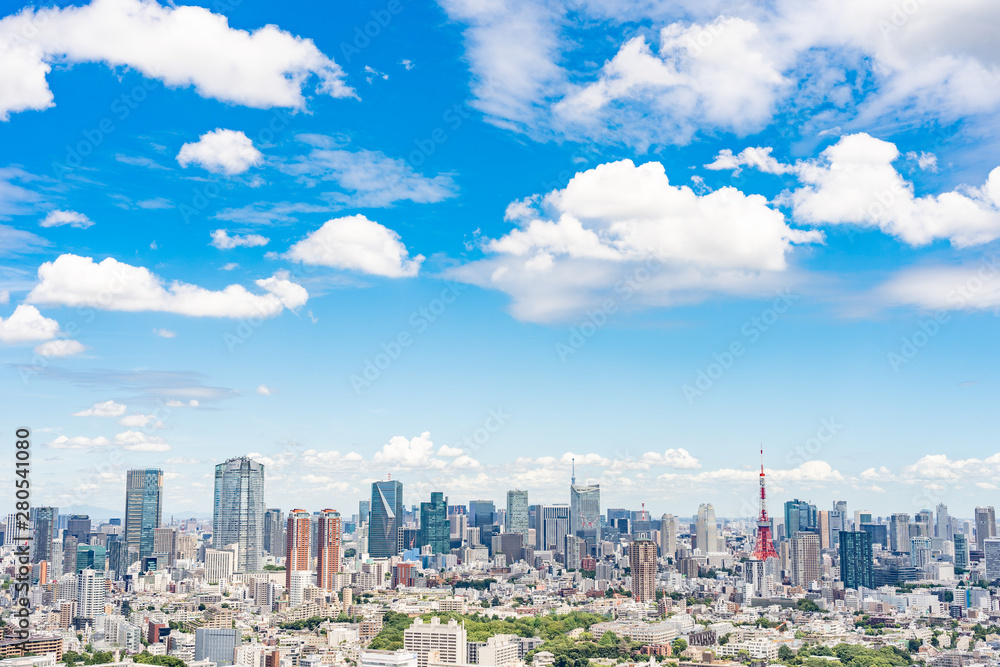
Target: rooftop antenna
573, 478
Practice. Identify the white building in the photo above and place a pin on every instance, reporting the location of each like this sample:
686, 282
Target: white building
90, 591
400, 658
450, 640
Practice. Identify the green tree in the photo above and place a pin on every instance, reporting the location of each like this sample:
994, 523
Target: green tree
785, 653
678, 646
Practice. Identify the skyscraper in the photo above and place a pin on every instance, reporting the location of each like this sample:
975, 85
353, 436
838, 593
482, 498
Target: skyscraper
90, 593
899, 532
274, 532
986, 526
143, 509
481, 516
435, 530
238, 511
297, 554
328, 555
553, 527
585, 513
43, 523
642, 565
517, 513
961, 551
707, 529
805, 558
799, 516
78, 527
668, 536
920, 551
856, 563
364, 510
385, 519
991, 557
942, 527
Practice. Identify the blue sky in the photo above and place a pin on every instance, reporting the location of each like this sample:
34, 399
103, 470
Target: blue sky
486, 238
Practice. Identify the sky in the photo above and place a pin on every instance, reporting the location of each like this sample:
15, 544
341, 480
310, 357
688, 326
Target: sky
466, 244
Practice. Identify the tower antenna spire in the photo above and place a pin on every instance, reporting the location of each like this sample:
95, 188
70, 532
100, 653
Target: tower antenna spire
573, 478
764, 548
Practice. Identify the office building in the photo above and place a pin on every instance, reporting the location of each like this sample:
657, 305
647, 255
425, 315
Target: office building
642, 564
435, 530
585, 514
216, 644
220, 565
364, 510
274, 532
448, 639
385, 519
856, 560
164, 546
297, 555
90, 593
961, 551
879, 533
397, 658
517, 513
920, 551
328, 554
78, 527
942, 526
668, 536
553, 528
805, 553
89, 556
899, 533
754, 575
986, 526
238, 512
43, 524
800, 516
481, 513
143, 509
991, 558
707, 529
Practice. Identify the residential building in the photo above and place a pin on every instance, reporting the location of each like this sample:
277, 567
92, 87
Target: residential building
642, 564
328, 555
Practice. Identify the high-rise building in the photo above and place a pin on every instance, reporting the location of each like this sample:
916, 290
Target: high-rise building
517, 513
642, 564
90, 592
754, 574
837, 520
585, 514
328, 554
43, 524
143, 509
165, 546
238, 512
449, 640
435, 531
899, 532
961, 551
991, 558
274, 532
920, 551
879, 533
364, 510
78, 527
90, 556
986, 526
856, 561
707, 529
217, 645
799, 516
805, 558
942, 526
297, 555
385, 519
823, 529
668, 536
481, 513
554, 526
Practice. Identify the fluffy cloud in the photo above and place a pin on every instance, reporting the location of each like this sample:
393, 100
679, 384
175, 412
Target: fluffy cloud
674, 458
621, 228
223, 241
79, 442
137, 441
357, 244
72, 280
103, 409
264, 390
406, 453
757, 157
964, 287
180, 46
854, 182
61, 347
221, 152
368, 178
71, 218
141, 421
26, 325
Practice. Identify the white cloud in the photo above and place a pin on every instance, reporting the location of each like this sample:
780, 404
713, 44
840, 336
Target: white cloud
621, 226
413, 453
368, 178
358, 244
674, 458
164, 333
60, 347
758, 157
137, 441
103, 409
4, 296
221, 152
445, 450
174, 403
79, 442
942, 288
230, 266
71, 218
180, 46
26, 325
72, 280
264, 390
223, 241
141, 421
854, 182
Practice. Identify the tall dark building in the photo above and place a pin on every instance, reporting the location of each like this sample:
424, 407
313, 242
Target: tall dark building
879, 533
274, 532
481, 516
118, 561
143, 509
238, 512
856, 563
43, 523
89, 556
800, 516
435, 529
364, 509
385, 519
79, 527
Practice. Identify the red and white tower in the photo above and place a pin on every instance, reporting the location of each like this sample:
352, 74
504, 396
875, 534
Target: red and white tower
765, 545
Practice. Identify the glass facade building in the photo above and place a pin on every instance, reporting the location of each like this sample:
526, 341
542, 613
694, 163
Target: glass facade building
385, 519
143, 509
585, 514
856, 563
238, 512
435, 529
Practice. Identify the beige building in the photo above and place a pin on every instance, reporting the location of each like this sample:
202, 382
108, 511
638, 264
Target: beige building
449, 639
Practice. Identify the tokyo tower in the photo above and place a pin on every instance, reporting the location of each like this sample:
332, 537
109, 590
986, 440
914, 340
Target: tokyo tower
765, 545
